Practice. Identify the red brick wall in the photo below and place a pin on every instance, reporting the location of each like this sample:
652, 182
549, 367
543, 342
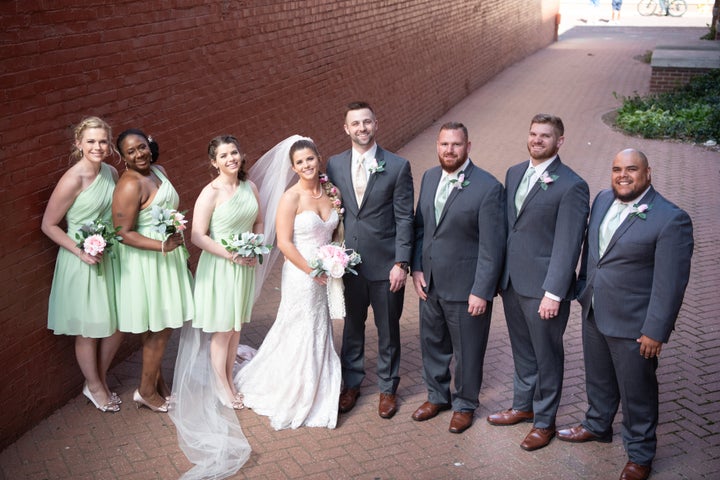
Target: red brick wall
187, 70
666, 79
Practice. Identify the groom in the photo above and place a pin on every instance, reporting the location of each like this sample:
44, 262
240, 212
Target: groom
377, 192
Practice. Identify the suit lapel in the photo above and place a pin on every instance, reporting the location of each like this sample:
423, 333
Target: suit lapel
455, 191
629, 221
372, 177
550, 170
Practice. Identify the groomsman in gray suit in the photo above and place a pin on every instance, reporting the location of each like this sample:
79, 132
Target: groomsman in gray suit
377, 192
636, 265
457, 262
547, 207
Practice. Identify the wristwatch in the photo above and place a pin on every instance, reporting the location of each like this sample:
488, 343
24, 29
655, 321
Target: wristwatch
404, 266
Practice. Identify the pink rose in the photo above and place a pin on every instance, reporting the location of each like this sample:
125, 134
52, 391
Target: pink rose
642, 208
94, 244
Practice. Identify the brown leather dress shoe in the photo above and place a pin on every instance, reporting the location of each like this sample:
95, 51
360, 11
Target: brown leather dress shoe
510, 417
428, 410
348, 397
581, 434
633, 471
461, 421
388, 405
537, 438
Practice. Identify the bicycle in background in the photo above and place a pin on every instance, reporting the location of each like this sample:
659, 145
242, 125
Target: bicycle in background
675, 8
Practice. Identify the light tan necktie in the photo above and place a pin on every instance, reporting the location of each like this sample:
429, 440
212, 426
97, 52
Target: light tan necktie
523, 189
360, 179
610, 223
443, 192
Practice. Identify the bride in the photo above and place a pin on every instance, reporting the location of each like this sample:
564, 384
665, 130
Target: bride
295, 376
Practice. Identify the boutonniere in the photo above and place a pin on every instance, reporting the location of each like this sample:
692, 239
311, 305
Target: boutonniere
640, 211
546, 180
459, 182
376, 167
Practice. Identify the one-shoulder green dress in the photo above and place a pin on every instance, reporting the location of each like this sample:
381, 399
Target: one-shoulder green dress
223, 290
155, 290
82, 301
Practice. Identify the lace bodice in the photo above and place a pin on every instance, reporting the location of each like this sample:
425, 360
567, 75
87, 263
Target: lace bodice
312, 232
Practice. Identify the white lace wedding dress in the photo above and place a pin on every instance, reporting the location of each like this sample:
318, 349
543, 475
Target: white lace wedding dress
295, 376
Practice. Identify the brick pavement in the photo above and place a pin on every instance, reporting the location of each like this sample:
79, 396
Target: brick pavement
574, 78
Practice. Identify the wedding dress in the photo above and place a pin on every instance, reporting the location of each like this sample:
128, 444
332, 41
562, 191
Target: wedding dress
295, 376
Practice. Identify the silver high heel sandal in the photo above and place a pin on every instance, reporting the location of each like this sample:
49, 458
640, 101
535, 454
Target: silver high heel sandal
139, 400
108, 407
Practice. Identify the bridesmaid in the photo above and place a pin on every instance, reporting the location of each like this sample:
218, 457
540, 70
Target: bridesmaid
154, 294
225, 282
82, 302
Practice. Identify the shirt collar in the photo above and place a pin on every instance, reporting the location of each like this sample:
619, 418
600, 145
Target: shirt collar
540, 169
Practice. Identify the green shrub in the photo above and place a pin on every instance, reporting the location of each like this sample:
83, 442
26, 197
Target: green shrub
691, 112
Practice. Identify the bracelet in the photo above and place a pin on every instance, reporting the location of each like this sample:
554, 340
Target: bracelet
162, 247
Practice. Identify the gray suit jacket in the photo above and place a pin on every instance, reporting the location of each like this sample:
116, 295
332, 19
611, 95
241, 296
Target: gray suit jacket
381, 229
545, 237
640, 281
464, 252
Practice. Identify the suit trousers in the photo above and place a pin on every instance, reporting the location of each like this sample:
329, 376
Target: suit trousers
538, 355
447, 329
387, 306
616, 372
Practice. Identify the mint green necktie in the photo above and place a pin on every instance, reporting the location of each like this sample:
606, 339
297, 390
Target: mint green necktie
442, 196
523, 189
610, 223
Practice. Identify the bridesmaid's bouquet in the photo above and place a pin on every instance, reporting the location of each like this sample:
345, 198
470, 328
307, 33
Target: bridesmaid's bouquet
97, 237
247, 244
334, 260
168, 221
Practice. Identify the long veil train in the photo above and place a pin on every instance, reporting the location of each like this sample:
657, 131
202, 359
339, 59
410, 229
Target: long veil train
208, 433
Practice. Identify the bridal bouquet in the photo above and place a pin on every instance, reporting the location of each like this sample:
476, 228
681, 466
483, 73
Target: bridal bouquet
96, 237
334, 260
247, 244
167, 222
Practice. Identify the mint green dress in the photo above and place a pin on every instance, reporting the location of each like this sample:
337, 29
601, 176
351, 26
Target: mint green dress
223, 290
155, 290
82, 302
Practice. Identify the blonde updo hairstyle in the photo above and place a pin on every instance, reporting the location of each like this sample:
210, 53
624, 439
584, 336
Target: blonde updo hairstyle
79, 130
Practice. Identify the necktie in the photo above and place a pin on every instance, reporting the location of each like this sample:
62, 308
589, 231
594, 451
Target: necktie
610, 223
523, 189
442, 195
360, 179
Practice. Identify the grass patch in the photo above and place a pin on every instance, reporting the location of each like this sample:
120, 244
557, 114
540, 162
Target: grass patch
690, 113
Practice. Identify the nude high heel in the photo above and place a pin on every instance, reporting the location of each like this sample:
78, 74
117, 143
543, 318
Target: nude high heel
140, 401
108, 407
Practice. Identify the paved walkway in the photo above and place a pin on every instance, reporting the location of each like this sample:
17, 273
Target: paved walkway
574, 78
